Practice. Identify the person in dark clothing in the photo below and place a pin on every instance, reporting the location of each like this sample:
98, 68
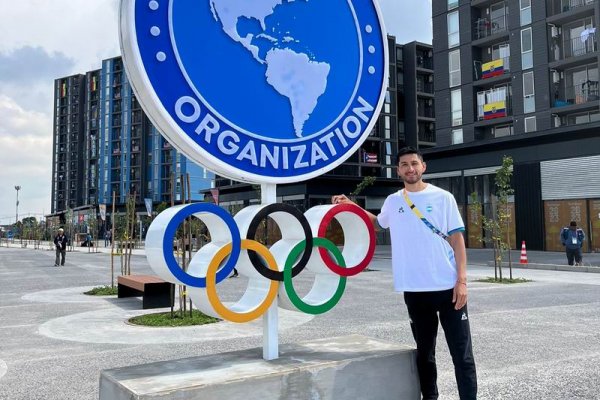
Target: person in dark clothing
60, 241
572, 238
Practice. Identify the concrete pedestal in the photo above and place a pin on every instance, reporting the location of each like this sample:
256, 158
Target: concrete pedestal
349, 367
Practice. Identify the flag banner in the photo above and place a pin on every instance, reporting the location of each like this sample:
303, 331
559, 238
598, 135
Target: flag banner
103, 211
370, 158
494, 110
493, 68
148, 203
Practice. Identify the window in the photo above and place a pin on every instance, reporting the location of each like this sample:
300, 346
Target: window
526, 49
452, 4
528, 93
457, 136
456, 106
525, 12
530, 124
505, 130
454, 67
453, 30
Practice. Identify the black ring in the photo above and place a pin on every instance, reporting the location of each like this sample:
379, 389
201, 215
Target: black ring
255, 259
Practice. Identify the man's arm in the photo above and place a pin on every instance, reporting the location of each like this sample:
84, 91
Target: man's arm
457, 242
342, 199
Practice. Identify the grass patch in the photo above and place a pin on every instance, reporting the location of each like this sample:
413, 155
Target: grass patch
506, 281
164, 319
102, 291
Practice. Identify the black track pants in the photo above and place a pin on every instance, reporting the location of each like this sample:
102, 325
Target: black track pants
423, 309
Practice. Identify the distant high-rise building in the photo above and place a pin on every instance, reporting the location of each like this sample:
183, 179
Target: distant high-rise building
68, 142
104, 143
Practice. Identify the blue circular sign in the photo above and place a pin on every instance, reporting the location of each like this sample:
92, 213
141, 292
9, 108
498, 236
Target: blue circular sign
265, 91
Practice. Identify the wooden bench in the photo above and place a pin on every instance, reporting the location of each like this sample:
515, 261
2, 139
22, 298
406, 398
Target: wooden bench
155, 292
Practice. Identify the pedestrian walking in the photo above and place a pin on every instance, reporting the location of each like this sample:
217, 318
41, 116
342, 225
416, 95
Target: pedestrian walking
60, 242
429, 265
107, 238
572, 238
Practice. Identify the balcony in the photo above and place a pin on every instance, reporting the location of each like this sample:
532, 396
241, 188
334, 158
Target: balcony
485, 27
493, 104
581, 48
491, 69
587, 92
424, 62
424, 87
558, 7
426, 135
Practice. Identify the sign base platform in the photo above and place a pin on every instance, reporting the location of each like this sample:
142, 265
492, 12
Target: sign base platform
349, 367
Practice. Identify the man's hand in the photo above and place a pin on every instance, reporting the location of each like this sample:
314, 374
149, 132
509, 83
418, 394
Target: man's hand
341, 199
459, 296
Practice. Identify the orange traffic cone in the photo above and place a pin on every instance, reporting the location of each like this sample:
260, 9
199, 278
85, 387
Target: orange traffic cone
523, 254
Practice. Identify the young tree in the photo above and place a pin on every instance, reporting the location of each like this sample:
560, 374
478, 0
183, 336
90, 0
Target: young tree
498, 226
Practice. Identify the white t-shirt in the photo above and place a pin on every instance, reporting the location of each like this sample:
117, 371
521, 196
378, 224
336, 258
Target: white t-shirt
422, 260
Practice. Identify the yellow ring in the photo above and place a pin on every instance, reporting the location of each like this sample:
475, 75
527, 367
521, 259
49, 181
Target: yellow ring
211, 286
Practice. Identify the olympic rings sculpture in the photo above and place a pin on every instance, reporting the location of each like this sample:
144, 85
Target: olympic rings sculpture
233, 245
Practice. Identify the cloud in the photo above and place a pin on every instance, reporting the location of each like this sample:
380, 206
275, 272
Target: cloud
29, 64
25, 159
28, 73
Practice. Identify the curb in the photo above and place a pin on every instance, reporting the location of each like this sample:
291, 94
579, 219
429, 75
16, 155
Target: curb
550, 267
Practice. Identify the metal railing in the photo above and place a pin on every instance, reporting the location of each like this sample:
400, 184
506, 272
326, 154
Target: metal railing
561, 6
575, 47
426, 136
424, 87
485, 27
577, 94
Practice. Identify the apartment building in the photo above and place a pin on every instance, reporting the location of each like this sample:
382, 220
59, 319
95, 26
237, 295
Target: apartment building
520, 78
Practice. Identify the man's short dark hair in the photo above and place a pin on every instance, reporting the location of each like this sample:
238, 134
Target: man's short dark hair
408, 150
573, 223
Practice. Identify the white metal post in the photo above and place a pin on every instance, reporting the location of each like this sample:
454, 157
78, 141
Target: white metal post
271, 317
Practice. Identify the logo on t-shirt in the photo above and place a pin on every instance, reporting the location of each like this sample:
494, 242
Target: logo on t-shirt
429, 208
401, 210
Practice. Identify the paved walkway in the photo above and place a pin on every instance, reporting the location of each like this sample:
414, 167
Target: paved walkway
532, 341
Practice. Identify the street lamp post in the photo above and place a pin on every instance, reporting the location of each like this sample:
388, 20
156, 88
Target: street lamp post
17, 188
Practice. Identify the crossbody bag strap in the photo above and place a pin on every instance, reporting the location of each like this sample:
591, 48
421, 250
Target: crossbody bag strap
422, 217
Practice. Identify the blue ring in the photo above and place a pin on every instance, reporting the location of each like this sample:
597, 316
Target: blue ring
169, 235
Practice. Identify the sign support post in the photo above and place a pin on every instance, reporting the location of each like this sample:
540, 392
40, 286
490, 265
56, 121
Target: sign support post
268, 193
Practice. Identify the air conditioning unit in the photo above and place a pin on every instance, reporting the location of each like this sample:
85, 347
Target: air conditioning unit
431, 126
556, 120
554, 31
429, 102
555, 77
430, 78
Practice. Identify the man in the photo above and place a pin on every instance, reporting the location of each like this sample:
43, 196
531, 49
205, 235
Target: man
572, 238
429, 265
60, 241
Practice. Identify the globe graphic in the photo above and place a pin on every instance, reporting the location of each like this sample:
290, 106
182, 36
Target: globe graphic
278, 69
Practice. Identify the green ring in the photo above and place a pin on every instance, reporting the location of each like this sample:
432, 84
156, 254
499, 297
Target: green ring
289, 286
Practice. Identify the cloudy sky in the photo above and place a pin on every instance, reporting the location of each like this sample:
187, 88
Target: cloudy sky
43, 40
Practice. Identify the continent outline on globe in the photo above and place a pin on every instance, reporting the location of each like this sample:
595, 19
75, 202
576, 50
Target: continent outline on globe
287, 70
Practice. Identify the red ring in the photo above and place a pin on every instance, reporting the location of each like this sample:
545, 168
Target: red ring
329, 215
